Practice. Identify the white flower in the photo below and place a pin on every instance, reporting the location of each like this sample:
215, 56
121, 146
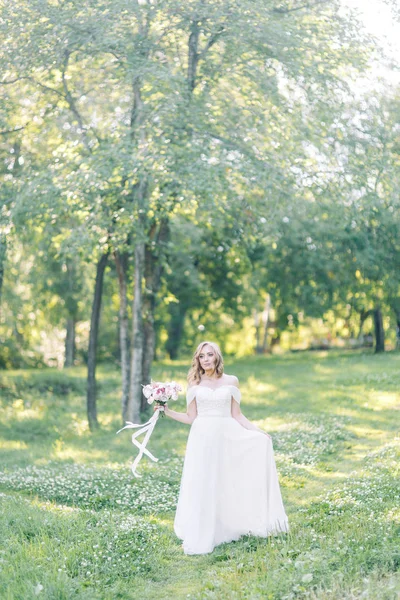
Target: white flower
307, 578
147, 391
38, 589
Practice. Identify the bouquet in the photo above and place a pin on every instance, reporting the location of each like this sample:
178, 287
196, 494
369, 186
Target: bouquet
159, 393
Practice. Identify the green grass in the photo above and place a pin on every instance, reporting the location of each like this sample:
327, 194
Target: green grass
74, 523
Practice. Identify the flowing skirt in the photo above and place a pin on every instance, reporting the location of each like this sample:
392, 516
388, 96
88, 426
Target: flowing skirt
229, 486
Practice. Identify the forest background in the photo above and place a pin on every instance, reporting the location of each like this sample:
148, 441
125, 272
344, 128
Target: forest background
177, 172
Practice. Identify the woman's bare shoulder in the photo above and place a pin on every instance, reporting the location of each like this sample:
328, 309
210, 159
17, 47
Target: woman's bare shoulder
231, 380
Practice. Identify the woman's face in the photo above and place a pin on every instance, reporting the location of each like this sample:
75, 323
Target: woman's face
207, 358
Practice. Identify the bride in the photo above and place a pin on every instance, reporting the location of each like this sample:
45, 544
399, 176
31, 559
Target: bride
229, 485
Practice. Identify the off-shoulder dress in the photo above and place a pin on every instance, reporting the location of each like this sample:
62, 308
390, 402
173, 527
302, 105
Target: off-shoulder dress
229, 484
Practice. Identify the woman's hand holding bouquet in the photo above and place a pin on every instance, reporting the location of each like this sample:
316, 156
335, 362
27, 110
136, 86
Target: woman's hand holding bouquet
159, 393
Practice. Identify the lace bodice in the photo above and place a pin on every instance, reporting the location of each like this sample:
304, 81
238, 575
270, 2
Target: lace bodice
213, 402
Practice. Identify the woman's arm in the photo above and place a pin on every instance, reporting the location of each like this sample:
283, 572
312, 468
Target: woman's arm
186, 418
240, 418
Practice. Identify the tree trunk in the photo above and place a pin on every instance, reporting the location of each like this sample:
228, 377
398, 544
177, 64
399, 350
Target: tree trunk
152, 275
397, 313
93, 337
136, 371
149, 338
265, 318
3, 252
175, 329
193, 55
70, 343
149, 344
257, 326
379, 331
121, 262
138, 133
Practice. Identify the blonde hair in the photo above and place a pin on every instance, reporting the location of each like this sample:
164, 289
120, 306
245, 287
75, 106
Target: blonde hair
196, 371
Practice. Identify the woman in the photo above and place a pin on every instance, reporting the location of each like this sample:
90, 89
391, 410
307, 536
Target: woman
229, 484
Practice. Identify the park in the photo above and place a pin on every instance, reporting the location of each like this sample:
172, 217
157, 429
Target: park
173, 173
76, 522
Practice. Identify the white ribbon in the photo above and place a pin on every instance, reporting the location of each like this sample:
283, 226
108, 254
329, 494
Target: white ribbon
148, 427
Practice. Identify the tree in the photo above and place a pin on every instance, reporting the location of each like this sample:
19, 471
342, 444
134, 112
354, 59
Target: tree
170, 108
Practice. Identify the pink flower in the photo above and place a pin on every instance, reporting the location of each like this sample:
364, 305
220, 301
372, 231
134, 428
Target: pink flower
161, 392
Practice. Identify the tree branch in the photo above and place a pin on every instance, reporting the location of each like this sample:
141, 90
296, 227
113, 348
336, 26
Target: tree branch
193, 55
46, 87
12, 81
71, 102
28, 78
284, 11
211, 41
11, 131
68, 96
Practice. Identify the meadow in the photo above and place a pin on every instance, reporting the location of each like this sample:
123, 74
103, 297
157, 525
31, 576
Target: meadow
74, 523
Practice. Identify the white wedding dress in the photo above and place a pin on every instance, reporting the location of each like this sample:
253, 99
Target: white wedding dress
229, 484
